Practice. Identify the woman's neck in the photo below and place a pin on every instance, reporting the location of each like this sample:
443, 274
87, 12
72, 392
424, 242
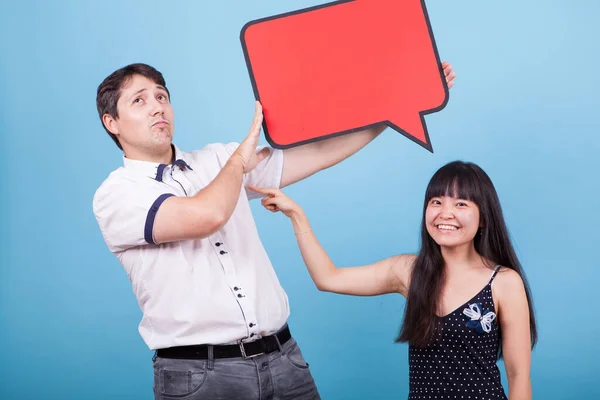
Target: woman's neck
461, 257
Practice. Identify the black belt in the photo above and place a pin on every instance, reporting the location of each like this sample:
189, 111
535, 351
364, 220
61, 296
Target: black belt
265, 345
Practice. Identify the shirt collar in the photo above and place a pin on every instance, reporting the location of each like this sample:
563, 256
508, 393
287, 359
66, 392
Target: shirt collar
155, 170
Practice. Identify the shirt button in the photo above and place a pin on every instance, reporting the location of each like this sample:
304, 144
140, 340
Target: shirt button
240, 295
218, 244
222, 252
236, 288
252, 334
251, 325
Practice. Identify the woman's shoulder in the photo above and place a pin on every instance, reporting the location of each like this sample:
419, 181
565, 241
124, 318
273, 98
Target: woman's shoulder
507, 281
404, 261
508, 275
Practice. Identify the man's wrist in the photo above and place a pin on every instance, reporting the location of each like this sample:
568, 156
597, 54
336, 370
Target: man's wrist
238, 161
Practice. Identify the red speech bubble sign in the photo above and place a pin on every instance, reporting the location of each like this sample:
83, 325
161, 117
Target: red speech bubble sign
345, 66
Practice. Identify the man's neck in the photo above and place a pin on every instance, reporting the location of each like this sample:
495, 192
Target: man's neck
167, 157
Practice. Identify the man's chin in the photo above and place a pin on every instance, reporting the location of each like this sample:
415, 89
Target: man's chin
162, 139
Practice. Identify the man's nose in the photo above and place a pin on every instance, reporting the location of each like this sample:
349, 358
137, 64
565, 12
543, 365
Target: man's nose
157, 107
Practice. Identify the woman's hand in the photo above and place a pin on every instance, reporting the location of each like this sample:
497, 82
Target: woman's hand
275, 200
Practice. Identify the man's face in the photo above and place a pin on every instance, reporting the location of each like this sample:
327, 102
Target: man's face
145, 123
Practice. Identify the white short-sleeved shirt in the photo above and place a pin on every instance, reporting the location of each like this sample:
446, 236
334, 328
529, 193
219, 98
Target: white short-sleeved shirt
216, 290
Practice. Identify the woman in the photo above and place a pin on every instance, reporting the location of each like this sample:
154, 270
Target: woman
468, 302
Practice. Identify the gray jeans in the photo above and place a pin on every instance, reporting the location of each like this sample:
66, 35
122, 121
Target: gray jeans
280, 375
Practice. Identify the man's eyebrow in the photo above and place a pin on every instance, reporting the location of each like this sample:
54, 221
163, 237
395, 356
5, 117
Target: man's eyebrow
144, 89
136, 93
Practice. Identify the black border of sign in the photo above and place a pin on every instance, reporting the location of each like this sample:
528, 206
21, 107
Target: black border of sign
427, 145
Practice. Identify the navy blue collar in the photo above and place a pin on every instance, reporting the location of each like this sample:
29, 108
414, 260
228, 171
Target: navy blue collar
161, 168
156, 170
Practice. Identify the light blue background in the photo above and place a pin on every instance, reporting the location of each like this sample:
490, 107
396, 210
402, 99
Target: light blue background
525, 107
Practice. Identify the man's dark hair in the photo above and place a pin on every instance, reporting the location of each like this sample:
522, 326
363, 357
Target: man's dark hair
109, 90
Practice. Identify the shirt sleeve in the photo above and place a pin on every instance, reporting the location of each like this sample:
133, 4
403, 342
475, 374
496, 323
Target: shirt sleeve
126, 210
267, 174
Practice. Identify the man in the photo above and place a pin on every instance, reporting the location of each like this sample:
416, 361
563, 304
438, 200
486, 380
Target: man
181, 226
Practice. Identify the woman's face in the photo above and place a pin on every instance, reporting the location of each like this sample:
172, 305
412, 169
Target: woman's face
451, 221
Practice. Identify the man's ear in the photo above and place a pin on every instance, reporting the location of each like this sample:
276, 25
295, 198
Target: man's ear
110, 123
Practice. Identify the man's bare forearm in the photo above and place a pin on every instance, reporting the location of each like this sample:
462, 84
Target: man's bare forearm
303, 161
222, 194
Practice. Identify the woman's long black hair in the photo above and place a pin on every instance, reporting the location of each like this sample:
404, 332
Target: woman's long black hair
469, 182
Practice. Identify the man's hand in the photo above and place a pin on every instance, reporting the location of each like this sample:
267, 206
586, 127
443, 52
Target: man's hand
247, 149
449, 74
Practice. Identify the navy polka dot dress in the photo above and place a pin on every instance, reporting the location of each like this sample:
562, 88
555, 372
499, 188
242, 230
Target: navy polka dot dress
461, 363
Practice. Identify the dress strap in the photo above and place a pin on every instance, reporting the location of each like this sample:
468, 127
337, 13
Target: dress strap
496, 269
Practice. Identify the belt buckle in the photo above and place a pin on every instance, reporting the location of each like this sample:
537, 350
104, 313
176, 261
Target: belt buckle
243, 351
